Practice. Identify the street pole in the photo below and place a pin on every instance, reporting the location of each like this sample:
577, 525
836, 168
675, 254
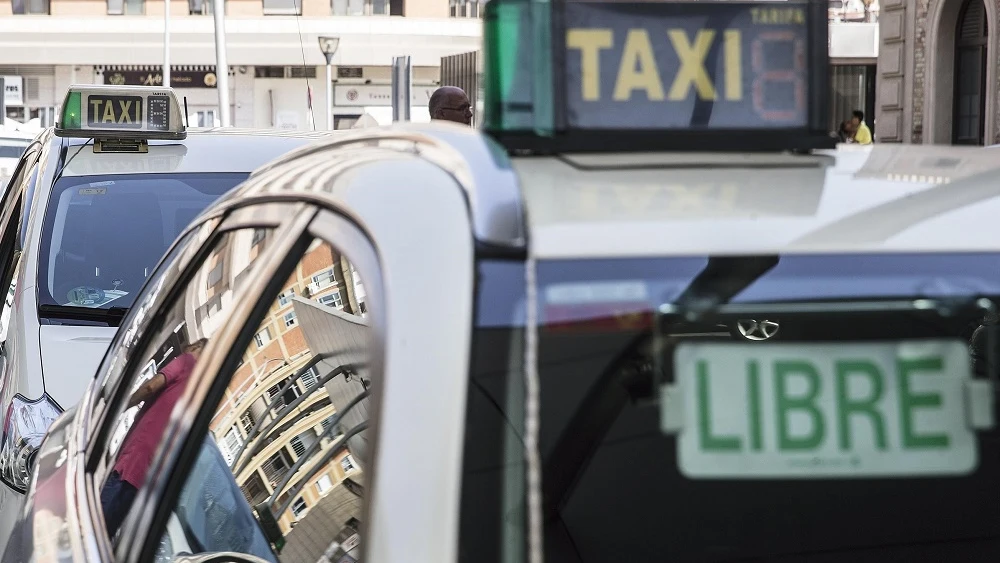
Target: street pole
166, 43
329, 91
402, 78
3, 101
221, 66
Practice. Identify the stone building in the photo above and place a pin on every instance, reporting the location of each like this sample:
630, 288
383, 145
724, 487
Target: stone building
938, 79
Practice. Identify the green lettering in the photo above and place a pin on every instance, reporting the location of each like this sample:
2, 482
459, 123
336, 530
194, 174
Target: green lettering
805, 403
909, 401
846, 406
708, 441
753, 383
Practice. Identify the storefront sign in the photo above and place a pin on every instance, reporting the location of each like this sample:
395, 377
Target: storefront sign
13, 91
178, 78
372, 95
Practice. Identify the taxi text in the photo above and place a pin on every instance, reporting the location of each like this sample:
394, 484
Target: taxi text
639, 71
114, 110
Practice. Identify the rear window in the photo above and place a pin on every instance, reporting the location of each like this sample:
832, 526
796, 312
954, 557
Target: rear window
792, 408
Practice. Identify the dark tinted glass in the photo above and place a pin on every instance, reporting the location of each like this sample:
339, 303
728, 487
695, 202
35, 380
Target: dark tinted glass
616, 486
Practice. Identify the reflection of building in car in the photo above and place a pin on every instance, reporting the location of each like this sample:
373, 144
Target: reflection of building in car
286, 396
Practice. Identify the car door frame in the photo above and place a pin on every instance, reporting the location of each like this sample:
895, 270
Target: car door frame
242, 325
137, 334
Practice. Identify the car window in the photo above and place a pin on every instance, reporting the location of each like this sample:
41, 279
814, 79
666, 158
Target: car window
290, 433
792, 408
160, 374
23, 183
103, 235
173, 266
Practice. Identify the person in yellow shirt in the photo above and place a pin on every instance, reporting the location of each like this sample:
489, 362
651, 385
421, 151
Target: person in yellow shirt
862, 134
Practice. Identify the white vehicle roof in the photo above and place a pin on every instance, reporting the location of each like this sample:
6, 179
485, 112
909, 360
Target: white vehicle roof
199, 152
880, 198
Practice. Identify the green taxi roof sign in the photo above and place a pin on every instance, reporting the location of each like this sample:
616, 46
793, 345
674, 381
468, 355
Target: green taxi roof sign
707, 75
121, 112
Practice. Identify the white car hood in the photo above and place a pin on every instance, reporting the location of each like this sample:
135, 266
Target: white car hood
70, 358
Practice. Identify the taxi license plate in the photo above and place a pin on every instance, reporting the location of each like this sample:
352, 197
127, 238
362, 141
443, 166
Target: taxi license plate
840, 410
123, 112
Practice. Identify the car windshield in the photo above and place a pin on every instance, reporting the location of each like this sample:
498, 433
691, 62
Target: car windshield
774, 408
103, 235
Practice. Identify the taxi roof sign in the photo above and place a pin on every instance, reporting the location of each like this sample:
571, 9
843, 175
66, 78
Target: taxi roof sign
715, 75
121, 112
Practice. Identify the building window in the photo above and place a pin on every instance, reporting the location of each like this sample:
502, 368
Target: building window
262, 337
285, 297
290, 319
231, 444
323, 279
247, 421
969, 104
35, 7
360, 7
203, 7
299, 507
309, 378
328, 421
465, 8
205, 118
258, 236
215, 276
324, 484
332, 300
275, 468
347, 464
282, 7
126, 7
298, 447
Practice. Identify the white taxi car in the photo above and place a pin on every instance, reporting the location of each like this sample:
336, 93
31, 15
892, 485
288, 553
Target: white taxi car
435, 344
92, 206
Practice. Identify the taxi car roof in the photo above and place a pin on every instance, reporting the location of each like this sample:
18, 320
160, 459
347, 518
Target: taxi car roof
881, 198
204, 150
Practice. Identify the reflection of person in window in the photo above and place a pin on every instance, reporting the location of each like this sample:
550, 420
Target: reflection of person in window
159, 394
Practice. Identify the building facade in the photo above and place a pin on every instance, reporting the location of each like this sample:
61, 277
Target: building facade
276, 68
938, 79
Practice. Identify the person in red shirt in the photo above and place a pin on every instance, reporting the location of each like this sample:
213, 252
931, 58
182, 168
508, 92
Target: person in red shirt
159, 396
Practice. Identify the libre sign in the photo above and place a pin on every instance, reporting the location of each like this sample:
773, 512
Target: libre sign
844, 410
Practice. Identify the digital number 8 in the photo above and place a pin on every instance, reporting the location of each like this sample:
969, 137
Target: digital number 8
763, 76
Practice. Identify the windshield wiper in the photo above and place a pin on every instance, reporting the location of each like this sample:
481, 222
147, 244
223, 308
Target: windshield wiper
113, 316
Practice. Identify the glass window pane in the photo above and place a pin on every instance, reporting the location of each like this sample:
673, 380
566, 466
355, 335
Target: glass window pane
303, 403
153, 391
283, 7
135, 7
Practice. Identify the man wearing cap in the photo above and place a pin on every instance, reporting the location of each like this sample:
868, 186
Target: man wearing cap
450, 103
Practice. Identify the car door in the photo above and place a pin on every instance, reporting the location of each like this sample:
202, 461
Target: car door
276, 296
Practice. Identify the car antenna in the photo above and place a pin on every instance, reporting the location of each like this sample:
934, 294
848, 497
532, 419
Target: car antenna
187, 115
